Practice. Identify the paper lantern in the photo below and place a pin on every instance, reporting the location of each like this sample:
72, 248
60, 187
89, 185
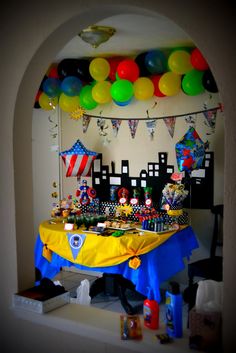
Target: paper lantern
190, 151
78, 160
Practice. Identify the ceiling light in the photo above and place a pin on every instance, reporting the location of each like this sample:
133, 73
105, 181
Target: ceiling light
95, 35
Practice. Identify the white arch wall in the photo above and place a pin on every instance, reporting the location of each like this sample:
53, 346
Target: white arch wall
211, 28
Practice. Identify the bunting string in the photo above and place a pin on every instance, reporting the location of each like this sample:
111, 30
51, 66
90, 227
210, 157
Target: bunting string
219, 107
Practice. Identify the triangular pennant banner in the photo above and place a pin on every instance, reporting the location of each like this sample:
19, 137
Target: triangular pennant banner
170, 123
133, 124
151, 126
210, 117
75, 241
86, 121
115, 126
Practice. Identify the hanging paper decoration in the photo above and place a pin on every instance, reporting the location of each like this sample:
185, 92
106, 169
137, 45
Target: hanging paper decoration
190, 151
115, 126
102, 126
210, 117
86, 121
133, 124
170, 124
191, 120
151, 126
78, 160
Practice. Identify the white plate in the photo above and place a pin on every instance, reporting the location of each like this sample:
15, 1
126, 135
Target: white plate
151, 231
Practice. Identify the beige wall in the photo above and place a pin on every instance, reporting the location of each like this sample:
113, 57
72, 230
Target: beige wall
31, 36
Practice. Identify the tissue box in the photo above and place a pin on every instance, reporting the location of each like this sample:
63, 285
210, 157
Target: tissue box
37, 300
205, 330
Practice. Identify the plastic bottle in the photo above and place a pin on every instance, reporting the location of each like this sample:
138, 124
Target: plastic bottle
174, 302
151, 312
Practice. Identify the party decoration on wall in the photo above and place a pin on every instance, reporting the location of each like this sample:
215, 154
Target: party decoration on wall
198, 61
71, 86
143, 88
209, 82
191, 120
117, 79
128, 70
155, 174
78, 160
170, 124
151, 126
51, 87
192, 83
77, 114
190, 151
115, 125
99, 69
179, 62
133, 124
170, 83
210, 117
46, 102
68, 104
85, 123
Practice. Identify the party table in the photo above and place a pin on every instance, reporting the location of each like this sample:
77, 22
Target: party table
146, 259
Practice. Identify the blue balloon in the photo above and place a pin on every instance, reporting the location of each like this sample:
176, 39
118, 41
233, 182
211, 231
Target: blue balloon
51, 87
71, 86
122, 104
156, 62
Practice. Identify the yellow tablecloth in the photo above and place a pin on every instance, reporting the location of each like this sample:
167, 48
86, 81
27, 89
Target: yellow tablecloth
97, 250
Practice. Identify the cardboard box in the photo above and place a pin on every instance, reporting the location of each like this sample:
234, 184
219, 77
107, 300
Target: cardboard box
37, 300
205, 330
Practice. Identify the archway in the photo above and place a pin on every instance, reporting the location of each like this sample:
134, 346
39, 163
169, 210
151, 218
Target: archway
22, 123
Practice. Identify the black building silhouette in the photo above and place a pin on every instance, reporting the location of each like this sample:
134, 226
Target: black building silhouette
200, 184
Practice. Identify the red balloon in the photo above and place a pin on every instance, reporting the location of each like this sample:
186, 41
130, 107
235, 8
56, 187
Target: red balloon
114, 62
38, 95
53, 72
128, 70
198, 61
155, 80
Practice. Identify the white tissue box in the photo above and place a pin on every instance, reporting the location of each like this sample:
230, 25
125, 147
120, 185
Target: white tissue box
205, 329
36, 301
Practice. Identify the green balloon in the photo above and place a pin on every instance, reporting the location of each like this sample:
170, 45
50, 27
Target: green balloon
192, 83
122, 90
86, 99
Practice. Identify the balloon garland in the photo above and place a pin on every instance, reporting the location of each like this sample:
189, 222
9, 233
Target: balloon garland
87, 83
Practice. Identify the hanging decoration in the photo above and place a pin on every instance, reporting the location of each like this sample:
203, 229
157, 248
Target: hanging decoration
78, 160
85, 123
151, 126
115, 126
191, 120
210, 117
170, 124
133, 124
190, 151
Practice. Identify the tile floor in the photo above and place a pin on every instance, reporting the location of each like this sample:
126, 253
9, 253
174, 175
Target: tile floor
71, 281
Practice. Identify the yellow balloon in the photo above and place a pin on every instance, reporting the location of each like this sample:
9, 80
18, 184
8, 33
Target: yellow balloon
101, 92
99, 69
67, 103
143, 88
47, 103
179, 62
170, 83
